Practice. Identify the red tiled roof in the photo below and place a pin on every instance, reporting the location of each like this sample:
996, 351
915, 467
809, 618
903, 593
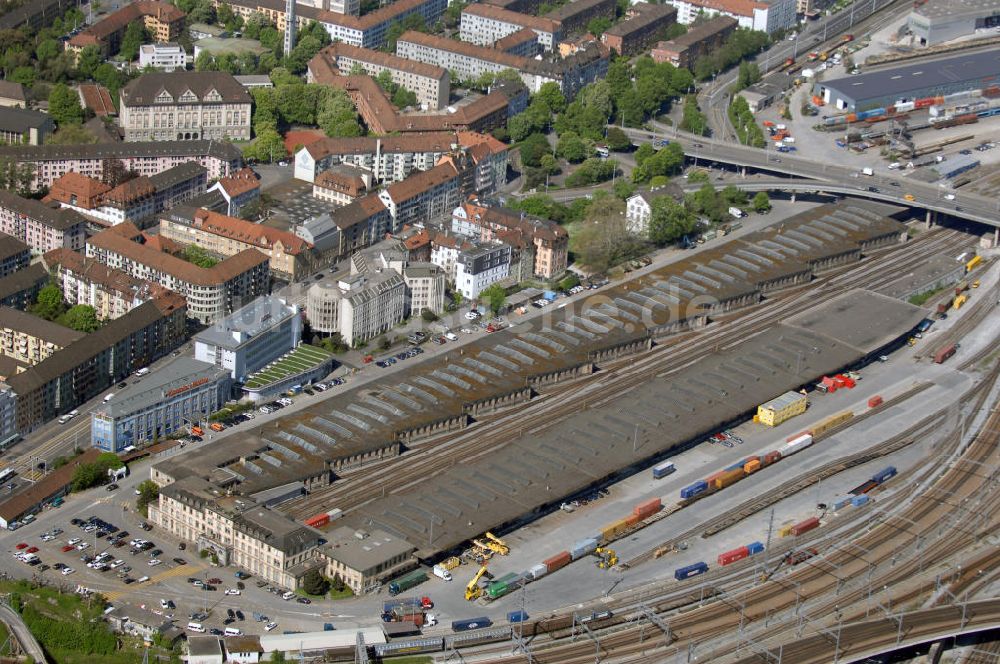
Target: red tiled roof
87, 191
131, 191
248, 232
417, 240
422, 181
120, 19
302, 137
240, 182
98, 99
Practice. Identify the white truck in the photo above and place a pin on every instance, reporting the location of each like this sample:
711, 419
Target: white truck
442, 573
867, 170
736, 212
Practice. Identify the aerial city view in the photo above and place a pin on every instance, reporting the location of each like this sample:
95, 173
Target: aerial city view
492, 331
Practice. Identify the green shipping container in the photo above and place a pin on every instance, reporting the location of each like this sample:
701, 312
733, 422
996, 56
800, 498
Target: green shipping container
497, 590
406, 582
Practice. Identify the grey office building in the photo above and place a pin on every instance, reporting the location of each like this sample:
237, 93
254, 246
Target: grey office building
938, 21
884, 87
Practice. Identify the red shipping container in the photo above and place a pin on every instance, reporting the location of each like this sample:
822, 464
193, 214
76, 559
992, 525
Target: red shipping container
416, 618
944, 353
714, 476
646, 513
805, 526
772, 457
318, 521
734, 555
875, 401
558, 561
633, 519
794, 436
648, 507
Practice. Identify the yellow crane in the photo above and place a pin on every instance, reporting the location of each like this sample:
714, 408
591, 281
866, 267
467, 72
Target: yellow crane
499, 542
606, 558
492, 543
472, 590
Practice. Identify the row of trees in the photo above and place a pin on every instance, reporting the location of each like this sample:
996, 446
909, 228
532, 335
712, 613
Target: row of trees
400, 96
51, 306
747, 129
88, 475
741, 44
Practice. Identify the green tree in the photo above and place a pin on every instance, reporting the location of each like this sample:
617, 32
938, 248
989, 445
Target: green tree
337, 115
693, 119
49, 304
618, 140
314, 583
267, 147
135, 36
47, 50
532, 149
603, 239
669, 221
732, 195
198, 256
549, 164
85, 476
403, 98
64, 105
495, 297
572, 148
592, 171
88, 62
81, 317
706, 202
24, 75
205, 62
149, 492
624, 189
551, 96
71, 134
396, 30
761, 202
598, 25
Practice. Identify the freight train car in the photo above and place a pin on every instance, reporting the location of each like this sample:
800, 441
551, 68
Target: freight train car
830, 422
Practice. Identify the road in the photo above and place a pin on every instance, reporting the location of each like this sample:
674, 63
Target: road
23, 635
714, 98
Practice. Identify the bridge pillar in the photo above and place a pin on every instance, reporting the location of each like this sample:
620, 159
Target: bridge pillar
793, 196
929, 219
996, 237
935, 652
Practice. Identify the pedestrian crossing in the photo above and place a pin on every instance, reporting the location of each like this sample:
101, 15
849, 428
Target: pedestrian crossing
180, 570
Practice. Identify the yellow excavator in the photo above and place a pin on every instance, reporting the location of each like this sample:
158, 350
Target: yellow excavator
472, 590
606, 558
492, 543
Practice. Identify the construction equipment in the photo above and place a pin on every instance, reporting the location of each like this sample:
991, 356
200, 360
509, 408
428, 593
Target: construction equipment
472, 590
450, 563
492, 544
606, 558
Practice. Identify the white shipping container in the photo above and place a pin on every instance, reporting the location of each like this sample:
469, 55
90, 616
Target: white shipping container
797, 445
538, 571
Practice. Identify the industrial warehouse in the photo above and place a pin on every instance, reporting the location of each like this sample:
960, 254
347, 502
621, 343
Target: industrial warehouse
305, 451
897, 85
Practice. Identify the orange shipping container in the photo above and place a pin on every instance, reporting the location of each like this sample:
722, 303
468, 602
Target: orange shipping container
318, 521
633, 519
648, 507
728, 478
710, 480
752, 466
875, 401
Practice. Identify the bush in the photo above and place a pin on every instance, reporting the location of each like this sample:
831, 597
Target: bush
315, 583
428, 316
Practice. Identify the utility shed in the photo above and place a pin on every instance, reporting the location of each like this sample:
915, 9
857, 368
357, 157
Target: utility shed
785, 407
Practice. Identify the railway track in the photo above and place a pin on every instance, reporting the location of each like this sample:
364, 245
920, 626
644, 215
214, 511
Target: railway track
434, 456
836, 580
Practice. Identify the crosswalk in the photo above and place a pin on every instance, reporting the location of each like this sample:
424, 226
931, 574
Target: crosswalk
180, 570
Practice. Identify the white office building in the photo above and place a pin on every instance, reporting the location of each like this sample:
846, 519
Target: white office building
765, 15
164, 57
480, 267
251, 337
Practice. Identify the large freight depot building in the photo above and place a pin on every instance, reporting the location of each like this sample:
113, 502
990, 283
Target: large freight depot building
885, 87
937, 21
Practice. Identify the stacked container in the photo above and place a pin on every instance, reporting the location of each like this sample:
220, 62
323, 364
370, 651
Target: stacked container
858, 501
773, 456
701, 486
728, 478
613, 529
752, 465
884, 474
797, 445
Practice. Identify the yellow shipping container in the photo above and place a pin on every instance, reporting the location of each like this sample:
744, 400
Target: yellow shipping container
727, 478
959, 301
785, 531
752, 466
832, 421
612, 530
973, 263
778, 410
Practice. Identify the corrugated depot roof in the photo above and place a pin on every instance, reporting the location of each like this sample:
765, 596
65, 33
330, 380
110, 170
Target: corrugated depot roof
982, 67
783, 401
474, 496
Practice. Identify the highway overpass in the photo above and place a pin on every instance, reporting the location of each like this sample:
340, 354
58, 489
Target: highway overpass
836, 179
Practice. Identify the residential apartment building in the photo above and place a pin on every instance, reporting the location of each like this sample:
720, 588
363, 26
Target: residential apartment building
480, 266
29, 339
425, 284
343, 231
96, 361
20, 289
389, 158
289, 256
242, 533
104, 161
644, 24
431, 84
250, 338
380, 115
19, 126
698, 41
238, 190
12, 95
34, 14
485, 25
135, 201
8, 415
164, 402
469, 61
341, 184
39, 226
188, 105
549, 240
112, 293
576, 14
368, 31
423, 197
211, 293
358, 306
14, 254
166, 57
163, 21
765, 15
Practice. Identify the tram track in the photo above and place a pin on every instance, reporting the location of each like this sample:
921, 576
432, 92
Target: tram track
425, 460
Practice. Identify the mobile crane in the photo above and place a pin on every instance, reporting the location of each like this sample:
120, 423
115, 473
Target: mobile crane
606, 558
492, 543
472, 590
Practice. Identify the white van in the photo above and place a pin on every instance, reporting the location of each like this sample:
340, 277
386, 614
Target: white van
142, 579
197, 627
142, 372
109, 397
442, 573
233, 631
451, 336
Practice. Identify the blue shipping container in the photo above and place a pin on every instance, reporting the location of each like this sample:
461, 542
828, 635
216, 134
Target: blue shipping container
753, 548
698, 487
470, 623
883, 475
840, 502
517, 616
663, 469
858, 501
583, 548
691, 570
